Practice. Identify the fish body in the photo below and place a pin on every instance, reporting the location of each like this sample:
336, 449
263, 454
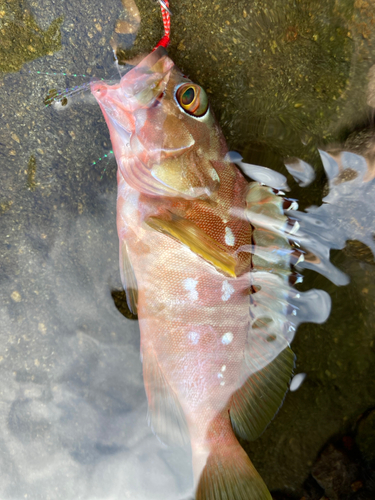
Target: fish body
211, 364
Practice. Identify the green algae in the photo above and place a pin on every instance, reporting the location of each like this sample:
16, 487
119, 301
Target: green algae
5, 206
21, 39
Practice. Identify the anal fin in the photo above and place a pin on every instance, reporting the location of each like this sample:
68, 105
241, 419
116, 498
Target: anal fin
255, 404
189, 234
165, 415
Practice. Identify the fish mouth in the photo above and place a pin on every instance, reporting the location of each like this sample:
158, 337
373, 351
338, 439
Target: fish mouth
138, 88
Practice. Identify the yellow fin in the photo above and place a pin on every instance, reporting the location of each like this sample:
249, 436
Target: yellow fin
198, 241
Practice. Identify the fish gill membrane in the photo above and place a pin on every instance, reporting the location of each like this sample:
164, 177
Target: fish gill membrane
284, 241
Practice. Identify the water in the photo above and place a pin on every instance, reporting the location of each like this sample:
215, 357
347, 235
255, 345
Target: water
73, 408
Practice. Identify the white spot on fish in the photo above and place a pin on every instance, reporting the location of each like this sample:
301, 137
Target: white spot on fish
227, 290
224, 220
220, 375
227, 338
297, 381
223, 368
229, 237
222, 383
194, 337
214, 175
189, 285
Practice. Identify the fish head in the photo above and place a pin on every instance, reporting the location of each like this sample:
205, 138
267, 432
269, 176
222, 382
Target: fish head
163, 132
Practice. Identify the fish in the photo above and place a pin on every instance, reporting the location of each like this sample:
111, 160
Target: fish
205, 260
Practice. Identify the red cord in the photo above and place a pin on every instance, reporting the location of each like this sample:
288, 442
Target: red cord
164, 42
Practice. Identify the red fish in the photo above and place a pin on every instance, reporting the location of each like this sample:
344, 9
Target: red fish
209, 287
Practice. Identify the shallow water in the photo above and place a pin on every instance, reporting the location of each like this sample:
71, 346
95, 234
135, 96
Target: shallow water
72, 406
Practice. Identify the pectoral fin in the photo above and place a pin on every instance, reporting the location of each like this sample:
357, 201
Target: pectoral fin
189, 234
129, 281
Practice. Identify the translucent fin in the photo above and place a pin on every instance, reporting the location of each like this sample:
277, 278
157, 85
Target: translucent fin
233, 157
198, 241
262, 203
271, 250
302, 172
165, 415
276, 309
264, 175
347, 213
129, 281
230, 475
330, 165
255, 404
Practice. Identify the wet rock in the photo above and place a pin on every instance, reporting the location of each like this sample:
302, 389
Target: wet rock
362, 495
371, 87
335, 472
312, 490
369, 478
282, 496
366, 436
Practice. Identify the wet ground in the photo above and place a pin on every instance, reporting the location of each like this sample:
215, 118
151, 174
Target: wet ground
282, 81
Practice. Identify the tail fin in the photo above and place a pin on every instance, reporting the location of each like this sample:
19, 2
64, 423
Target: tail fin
230, 475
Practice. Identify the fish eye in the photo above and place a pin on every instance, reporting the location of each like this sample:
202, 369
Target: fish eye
192, 99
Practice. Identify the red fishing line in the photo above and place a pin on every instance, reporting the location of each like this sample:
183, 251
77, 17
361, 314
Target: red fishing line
164, 42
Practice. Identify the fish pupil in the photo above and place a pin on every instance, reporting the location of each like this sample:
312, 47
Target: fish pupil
188, 96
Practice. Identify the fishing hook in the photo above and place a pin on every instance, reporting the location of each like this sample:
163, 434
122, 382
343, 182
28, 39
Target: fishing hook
163, 4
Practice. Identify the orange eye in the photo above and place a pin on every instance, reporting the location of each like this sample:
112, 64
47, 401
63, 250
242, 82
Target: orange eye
192, 99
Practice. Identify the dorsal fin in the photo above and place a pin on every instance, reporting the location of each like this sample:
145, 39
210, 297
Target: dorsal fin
165, 415
255, 404
189, 234
129, 281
